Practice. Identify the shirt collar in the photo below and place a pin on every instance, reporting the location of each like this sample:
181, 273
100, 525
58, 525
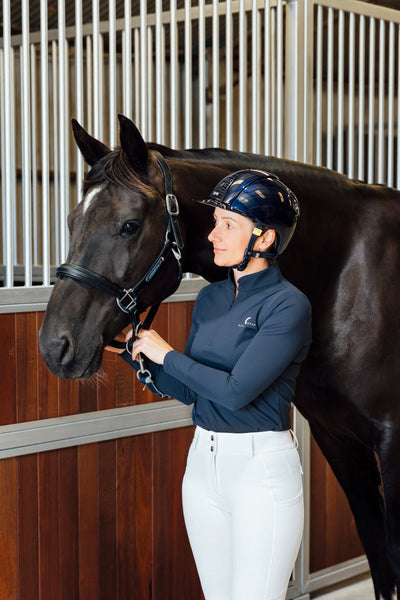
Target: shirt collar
255, 281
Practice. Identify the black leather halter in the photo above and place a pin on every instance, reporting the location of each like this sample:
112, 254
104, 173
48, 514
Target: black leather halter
127, 299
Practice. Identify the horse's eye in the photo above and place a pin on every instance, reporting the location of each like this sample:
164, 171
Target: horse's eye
130, 228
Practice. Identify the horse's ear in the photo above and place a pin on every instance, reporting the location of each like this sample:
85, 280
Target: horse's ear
92, 150
133, 144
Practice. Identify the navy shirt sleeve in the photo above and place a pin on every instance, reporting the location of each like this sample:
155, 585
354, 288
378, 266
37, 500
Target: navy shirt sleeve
282, 339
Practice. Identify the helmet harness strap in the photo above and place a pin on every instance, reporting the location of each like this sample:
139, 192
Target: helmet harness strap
249, 252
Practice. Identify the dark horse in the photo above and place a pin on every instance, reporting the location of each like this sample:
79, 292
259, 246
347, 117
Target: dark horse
346, 258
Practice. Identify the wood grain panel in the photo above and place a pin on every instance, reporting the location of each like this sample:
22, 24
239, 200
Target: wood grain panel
48, 525
108, 515
68, 524
8, 530
8, 412
28, 535
333, 534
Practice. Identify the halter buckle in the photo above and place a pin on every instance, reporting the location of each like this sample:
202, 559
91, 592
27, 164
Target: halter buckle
132, 301
172, 205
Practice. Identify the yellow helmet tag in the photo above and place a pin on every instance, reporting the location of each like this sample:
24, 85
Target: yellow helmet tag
257, 231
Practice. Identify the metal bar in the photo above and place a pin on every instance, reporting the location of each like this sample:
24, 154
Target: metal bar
3, 155
340, 102
381, 103
57, 220
361, 94
44, 89
34, 115
8, 147
229, 74
352, 54
371, 99
150, 86
174, 75
318, 111
112, 62
62, 103
127, 61
242, 77
273, 76
89, 84
26, 145
329, 92
79, 87
202, 76
255, 76
143, 69
267, 78
390, 120
97, 117
398, 109
159, 75
188, 77
279, 78
293, 91
136, 73
215, 74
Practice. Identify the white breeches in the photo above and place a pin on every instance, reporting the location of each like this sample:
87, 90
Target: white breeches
243, 509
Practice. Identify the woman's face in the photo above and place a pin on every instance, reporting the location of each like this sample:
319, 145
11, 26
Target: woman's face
230, 237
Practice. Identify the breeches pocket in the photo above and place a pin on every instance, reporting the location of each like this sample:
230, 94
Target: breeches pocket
283, 473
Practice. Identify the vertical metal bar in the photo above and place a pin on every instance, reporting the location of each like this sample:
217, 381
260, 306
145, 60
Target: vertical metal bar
293, 90
89, 83
371, 98
174, 75
56, 226
136, 72
97, 117
381, 103
228, 74
26, 146
202, 75
127, 61
44, 94
352, 54
255, 66
8, 147
13, 178
188, 76
79, 87
242, 77
273, 76
398, 109
318, 115
215, 73
62, 129
267, 78
279, 78
340, 121
3, 155
143, 69
159, 75
35, 220
329, 102
150, 91
112, 53
390, 128
361, 94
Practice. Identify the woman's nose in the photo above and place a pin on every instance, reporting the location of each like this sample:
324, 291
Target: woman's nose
213, 234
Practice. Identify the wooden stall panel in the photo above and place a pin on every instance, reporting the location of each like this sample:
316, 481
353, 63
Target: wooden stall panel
99, 522
31, 392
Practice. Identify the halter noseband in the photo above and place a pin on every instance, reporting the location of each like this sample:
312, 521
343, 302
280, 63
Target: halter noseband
127, 299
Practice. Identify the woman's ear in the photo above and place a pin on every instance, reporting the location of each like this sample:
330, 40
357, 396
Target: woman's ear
265, 240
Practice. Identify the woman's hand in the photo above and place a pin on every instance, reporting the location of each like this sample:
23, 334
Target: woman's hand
150, 343
123, 336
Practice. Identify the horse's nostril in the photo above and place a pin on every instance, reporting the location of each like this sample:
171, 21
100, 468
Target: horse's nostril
66, 351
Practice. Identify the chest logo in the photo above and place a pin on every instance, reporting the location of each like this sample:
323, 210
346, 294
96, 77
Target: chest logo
248, 322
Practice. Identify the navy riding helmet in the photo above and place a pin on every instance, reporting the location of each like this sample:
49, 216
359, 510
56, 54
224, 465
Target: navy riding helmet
264, 199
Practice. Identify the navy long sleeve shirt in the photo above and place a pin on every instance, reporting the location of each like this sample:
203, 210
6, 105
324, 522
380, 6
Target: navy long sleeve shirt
243, 355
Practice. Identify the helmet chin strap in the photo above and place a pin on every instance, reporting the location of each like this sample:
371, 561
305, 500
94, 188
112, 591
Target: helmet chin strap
249, 252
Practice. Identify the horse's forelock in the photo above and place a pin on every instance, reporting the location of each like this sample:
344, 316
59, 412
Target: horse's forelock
116, 169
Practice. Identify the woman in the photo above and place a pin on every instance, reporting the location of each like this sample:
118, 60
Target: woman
242, 489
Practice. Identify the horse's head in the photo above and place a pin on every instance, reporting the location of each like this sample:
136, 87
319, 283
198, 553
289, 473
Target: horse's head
116, 231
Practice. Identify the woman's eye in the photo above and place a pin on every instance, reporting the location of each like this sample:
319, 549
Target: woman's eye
130, 228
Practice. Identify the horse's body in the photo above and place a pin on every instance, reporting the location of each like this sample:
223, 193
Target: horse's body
345, 258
